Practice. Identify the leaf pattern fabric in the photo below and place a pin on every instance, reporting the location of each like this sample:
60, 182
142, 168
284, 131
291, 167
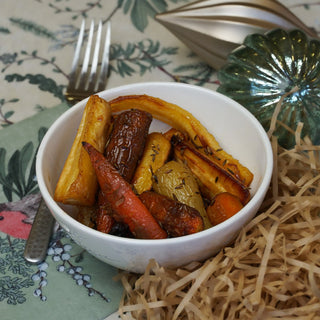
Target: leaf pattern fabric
37, 65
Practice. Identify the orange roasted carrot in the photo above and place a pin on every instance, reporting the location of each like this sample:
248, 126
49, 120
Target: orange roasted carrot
104, 218
177, 218
126, 206
104, 221
224, 206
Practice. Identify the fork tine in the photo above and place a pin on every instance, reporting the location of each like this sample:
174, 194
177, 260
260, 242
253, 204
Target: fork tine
105, 59
94, 65
84, 70
76, 58
94, 68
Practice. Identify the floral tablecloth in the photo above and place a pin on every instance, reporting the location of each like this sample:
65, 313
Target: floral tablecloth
37, 45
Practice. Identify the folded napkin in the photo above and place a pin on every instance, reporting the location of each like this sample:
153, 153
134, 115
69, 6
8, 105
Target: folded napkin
70, 284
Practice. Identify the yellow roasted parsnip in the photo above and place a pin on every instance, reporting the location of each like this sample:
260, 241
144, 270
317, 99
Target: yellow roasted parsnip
77, 184
156, 153
212, 178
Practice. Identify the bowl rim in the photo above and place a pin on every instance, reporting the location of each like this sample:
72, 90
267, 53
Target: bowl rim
255, 199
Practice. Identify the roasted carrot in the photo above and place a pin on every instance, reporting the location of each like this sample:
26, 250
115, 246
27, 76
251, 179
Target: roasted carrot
126, 206
104, 220
123, 151
106, 223
223, 206
177, 219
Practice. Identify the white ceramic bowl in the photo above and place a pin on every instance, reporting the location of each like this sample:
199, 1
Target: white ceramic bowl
235, 128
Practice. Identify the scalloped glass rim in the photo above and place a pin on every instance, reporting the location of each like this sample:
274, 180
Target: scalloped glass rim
268, 66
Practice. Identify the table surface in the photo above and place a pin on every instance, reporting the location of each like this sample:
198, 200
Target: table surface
37, 46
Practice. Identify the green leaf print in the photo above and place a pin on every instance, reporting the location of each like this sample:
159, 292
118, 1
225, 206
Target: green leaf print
147, 55
34, 28
17, 271
141, 10
5, 116
11, 289
199, 73
5, 179
14, 172
4, 30
44, 83
17, 170
139, 57
18, 177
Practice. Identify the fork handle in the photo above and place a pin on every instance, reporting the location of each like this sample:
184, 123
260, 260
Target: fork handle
40, 234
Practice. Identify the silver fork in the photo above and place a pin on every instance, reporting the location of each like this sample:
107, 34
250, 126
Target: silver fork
85, 79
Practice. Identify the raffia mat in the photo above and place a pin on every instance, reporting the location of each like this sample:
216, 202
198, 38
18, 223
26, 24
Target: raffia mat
272, 271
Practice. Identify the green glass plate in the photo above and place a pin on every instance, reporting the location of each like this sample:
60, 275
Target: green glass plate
269, 66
